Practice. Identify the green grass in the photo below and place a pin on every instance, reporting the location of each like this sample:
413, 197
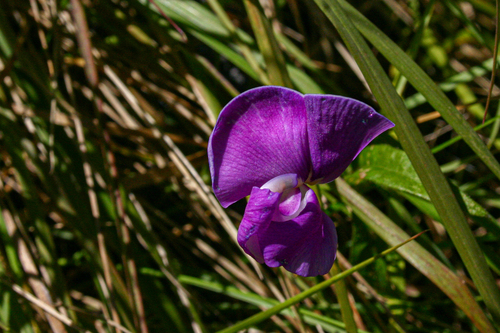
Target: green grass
108, 220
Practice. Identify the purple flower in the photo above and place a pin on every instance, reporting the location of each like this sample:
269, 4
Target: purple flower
270, 143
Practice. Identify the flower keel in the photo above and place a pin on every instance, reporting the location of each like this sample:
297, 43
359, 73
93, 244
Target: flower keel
288, 228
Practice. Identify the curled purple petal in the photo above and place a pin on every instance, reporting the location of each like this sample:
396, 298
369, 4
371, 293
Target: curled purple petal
339, 128
305, 245
258, 214
259, 135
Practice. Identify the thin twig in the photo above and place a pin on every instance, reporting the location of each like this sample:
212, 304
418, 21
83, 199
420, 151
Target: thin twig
494, 67
179, 30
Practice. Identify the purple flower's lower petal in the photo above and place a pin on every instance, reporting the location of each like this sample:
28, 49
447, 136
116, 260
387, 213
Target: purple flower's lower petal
258, 215
259, 135
338, 129
309, 254
305, 245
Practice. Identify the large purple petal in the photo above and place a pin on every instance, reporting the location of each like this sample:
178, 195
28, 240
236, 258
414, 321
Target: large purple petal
305, 245
259, 135
339, 128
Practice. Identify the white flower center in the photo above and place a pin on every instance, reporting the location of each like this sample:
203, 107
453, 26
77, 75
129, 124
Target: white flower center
292, 199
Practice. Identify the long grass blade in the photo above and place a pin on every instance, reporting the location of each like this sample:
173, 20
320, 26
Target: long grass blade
275, 62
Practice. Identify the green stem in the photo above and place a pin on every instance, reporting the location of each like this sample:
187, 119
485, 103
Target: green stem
255, 319
343, 298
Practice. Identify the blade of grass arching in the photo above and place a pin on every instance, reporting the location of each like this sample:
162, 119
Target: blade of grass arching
412, 141
423, 83
343, 299
236, 35
268, 46
255, 319
403, 214
310, 317
450, 83
455, 139
227, 52
416, 255
495, 129
190, 14
471, 26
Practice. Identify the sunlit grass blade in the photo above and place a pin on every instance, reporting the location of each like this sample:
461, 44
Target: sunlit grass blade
389, 168
227, 52
416, 255
193, 15
455, 139
450, 83
411, 139
273, 57
305, 294
343, 299
496, 127
310, 317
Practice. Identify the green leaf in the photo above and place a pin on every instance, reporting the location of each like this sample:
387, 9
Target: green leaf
390, 168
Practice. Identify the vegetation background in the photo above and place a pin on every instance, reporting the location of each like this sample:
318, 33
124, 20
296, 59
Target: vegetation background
108, 221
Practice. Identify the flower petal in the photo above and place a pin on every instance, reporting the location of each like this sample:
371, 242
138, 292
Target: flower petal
290, 202
259, 135
339, 128
258, 214
305, 245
